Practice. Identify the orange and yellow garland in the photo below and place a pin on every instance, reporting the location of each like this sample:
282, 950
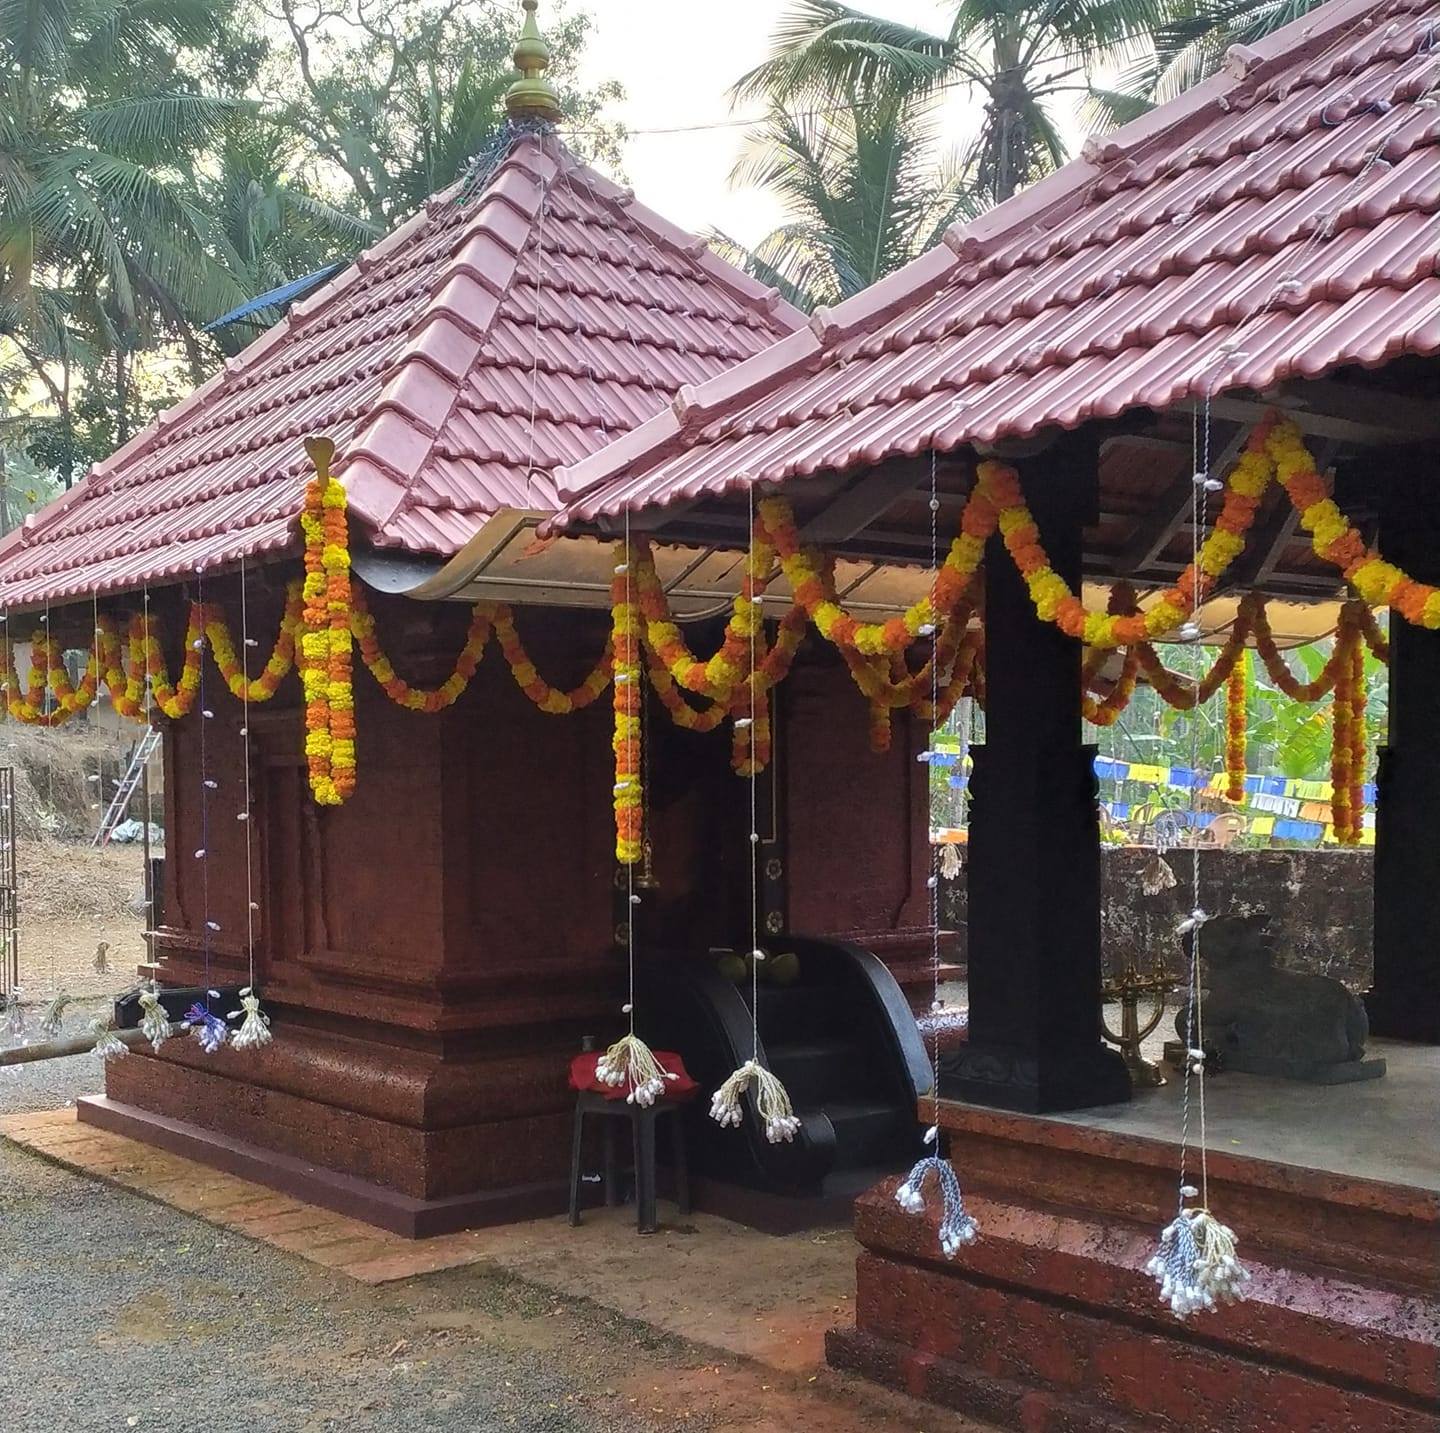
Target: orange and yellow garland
326, 639
625, 646
325, 616
1236, 730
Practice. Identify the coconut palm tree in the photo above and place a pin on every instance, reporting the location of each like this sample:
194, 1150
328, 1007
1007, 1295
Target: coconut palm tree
268, 229
1021, 58
102, 242
862, 191
1189, 45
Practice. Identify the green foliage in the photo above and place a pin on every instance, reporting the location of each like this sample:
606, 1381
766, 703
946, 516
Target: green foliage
1016, 59
163, 161
862, 190
1285, 737
1188, 46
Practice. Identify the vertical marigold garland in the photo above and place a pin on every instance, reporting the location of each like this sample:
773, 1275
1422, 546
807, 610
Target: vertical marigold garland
1347, 752
1236, 728
326, 638
625, 645
1357, 741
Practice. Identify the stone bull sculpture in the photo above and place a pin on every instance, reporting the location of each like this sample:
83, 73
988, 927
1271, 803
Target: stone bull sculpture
1263, 1020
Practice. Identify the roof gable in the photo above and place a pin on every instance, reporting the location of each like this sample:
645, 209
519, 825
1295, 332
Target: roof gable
1276, 221
482, 343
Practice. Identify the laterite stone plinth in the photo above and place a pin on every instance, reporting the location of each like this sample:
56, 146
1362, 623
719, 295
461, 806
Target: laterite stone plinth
1048, 1323
400, 1138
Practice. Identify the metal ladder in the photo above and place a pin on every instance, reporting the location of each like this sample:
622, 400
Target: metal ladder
120, 802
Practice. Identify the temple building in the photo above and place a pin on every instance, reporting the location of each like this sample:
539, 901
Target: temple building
1236, 294
433, 951
716, 575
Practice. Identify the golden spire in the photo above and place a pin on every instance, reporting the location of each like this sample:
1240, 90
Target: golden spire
532, 94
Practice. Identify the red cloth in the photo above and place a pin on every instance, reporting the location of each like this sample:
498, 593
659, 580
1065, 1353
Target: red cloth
582, 1077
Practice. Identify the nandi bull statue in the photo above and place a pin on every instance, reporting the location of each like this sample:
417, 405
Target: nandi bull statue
1263, 1020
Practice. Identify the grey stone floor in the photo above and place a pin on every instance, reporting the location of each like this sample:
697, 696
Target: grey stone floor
1383, 1129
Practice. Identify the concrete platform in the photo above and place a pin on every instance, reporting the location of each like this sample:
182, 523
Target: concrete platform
1386, 1129
1050, 1323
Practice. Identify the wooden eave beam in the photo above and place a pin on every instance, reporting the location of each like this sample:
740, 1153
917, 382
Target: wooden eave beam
1343, 412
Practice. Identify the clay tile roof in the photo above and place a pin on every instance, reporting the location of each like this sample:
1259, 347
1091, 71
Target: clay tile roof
1276, 222
455, 364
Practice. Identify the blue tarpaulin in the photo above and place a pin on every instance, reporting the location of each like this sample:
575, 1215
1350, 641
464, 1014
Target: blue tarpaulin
276, 298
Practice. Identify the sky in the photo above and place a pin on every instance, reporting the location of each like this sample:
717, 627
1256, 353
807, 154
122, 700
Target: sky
676, 60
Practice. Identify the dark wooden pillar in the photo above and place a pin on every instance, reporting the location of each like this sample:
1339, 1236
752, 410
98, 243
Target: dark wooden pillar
1034, 862
1405, 1000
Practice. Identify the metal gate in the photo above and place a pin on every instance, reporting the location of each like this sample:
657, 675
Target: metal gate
9, 896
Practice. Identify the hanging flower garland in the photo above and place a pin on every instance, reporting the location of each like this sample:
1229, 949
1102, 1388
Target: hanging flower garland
671, 698
1348, 699
1051, 594
277, 665
625, 645
1279, 670
528, 679
719, 676
325, 644
436, 699
1236, 729
806, 571
1106, 710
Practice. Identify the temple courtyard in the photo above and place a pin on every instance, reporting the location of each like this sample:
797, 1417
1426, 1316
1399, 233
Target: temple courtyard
533, 1327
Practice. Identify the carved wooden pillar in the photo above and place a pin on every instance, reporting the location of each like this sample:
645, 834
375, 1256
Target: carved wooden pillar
1034, 864
1405, 1000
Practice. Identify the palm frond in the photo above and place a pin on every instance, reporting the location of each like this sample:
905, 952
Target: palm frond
822, 48
158, 126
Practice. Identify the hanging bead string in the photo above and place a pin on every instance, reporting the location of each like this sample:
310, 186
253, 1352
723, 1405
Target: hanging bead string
777, 1115
254, 1028
956, 1226
630, 1062
1195, 1264
154, 1021
210, 1029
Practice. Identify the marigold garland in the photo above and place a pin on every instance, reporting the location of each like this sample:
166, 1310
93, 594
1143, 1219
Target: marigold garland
1055, 602
528, 679
325, 616
326, 640
811, 580
719, 676
1236, 729
362, 625
625, 646
277, 666
1106, 710
1357, 742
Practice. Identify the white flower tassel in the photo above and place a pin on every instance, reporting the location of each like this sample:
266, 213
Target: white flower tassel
108, 1045
254, 1030
630, 1061
956, 1226
771, 1100
15, 1020
1195, 1265
950, 863
154, 1022
54, 1016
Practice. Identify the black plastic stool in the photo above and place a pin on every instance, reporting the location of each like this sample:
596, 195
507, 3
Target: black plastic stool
642, 1124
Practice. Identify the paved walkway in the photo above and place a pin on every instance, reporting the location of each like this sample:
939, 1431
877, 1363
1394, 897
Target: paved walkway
117, 1311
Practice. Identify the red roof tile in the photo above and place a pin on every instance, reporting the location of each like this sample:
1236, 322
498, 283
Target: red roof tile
454, 364
1276, 222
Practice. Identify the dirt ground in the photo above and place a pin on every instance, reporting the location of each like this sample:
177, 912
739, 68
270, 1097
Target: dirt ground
71, 898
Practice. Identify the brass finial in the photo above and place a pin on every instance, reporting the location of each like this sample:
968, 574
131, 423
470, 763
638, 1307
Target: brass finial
532, 94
